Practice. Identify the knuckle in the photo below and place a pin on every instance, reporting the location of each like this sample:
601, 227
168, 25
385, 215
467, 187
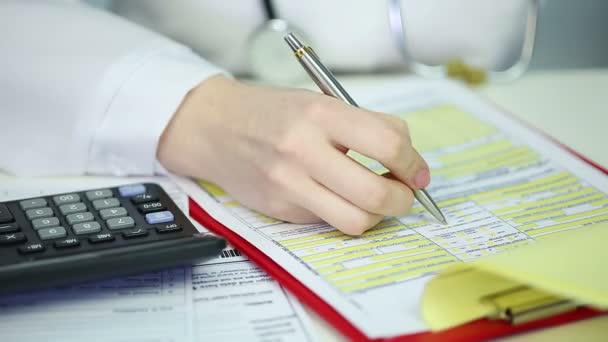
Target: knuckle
377, 198
394, 146
316, 110
401, 127
278, 176
356, 223
290, 145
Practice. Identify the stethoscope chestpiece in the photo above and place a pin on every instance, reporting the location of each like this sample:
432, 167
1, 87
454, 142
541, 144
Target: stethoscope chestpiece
270, 60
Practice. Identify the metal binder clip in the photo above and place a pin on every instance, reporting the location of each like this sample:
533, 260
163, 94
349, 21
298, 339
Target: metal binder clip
523, 304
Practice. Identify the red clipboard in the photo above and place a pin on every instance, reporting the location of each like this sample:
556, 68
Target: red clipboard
479, 330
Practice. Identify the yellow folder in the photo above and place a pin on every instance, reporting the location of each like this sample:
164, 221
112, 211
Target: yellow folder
534, 281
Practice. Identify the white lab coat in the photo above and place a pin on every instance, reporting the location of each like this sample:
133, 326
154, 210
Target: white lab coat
84, 91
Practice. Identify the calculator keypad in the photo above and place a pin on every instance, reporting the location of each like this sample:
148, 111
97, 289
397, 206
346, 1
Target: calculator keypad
33, 203
112, 212
80, 217
105, 203
98, 194
69, 222
159, 217
86, 228
9, 228
5, 214
66, 199
45, 222
72, 208
39, 213
52, 233
120, 223
9, 239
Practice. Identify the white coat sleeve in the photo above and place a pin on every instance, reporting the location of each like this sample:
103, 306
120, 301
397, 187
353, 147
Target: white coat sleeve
83, 91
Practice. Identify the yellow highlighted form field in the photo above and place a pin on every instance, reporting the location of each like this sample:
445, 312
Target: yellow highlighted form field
437, 265
410, 239
391, 262
572, 224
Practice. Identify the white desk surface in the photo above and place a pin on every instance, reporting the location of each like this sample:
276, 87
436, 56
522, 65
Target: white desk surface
572, 107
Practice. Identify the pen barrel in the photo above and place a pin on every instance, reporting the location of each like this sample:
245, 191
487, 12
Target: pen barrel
324, 79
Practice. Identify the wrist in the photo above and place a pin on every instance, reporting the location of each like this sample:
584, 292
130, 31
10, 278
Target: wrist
189, 142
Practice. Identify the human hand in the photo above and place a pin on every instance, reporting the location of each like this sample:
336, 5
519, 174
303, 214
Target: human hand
282, 152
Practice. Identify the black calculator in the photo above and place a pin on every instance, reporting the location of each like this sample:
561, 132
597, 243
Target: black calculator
95, 234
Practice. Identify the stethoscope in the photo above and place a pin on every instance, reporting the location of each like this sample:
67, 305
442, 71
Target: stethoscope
395, 20
271, 60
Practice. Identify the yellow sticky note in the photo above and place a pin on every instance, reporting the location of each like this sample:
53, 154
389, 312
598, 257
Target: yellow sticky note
571, 265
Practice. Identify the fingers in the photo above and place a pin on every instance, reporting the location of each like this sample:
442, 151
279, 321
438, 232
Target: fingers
357, 184
330, 207
382, 137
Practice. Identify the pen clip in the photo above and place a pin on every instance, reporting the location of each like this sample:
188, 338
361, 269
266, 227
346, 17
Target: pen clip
524, 304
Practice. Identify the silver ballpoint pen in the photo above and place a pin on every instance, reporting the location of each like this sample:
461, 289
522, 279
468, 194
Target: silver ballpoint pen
328, 84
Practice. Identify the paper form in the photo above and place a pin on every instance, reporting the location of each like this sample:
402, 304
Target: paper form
500, 184
234, 300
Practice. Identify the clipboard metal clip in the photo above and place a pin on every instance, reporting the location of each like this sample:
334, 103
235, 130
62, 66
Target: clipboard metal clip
524, 304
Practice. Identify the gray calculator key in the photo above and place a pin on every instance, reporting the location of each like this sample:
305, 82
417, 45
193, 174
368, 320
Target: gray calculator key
39, 213
79, 217
33, 203
98, 194
67, 198
67, 209
86, 228
45, 222
105, 203
52, 233
112, 212
120, 222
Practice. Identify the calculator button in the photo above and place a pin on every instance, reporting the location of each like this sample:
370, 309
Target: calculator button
9, 228
5, 214
150, 207
159, 217
33, 203
120, 222
65, 199
9, 239
98, 194
52, 233
143, 198
31, 248
86, 228
105, 203
45, 222
66, 243
80, 217
112, 212
39, 213
131, 190
168, 228
103, 237
135, 233
67, 209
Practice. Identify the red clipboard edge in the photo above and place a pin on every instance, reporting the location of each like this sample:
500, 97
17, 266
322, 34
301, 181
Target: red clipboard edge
475, 331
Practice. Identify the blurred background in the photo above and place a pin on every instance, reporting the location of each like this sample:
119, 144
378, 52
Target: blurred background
570, 34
